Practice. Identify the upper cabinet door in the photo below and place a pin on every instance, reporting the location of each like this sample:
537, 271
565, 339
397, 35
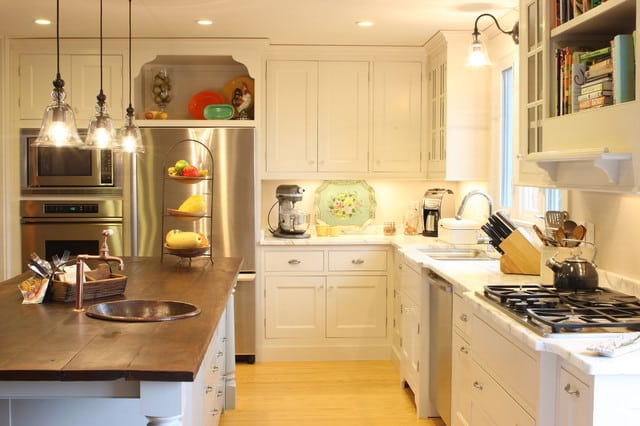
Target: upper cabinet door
85, 75
292, 116
81, 74
37, 73
343, 116
397, 111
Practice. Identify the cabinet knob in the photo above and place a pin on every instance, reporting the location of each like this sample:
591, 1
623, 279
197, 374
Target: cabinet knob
568, 390
464, 349
214, 412
357, 261
219, 354
219, 394
478, 385
215, 368
208, 389
464, 318
294, 262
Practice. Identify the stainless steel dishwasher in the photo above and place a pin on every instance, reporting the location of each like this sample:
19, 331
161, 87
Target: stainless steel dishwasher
440, 313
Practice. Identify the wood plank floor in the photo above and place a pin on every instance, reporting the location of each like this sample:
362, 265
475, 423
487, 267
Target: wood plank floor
349, 393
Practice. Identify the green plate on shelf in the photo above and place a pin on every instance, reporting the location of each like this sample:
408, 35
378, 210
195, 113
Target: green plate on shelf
345, 203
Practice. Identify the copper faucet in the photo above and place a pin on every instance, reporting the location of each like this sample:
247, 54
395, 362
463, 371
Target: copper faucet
81, 258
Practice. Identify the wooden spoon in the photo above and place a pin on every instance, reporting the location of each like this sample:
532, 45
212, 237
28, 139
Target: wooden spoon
560, 236
579, 232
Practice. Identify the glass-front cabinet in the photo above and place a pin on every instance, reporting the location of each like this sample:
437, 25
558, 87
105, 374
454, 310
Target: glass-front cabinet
578, 85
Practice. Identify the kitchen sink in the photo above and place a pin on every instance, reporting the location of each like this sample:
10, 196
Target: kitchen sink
456, 254
142, 310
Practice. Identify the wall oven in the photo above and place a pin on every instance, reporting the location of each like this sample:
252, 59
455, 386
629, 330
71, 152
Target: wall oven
55, 170
50, 227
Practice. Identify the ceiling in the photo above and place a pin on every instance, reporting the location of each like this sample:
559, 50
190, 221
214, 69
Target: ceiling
282, 22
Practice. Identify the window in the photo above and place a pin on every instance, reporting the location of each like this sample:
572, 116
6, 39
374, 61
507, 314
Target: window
526, 203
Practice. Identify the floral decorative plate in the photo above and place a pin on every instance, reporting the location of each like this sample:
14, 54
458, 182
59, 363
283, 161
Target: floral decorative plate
345, 202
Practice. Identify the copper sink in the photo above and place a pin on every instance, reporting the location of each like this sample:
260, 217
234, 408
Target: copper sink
142, 310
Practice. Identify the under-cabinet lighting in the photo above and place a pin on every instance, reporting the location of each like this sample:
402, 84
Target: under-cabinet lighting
364, 24
204, 22
42, 21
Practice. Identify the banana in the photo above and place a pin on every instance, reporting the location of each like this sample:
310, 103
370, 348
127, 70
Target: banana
193, 204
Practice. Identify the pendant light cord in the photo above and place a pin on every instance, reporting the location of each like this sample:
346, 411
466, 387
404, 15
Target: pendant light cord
58, 39
130, 106
100, 46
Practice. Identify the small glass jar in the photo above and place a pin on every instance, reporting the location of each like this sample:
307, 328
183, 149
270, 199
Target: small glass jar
389, 228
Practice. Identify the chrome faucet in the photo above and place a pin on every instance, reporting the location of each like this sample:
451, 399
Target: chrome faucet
469, 195
81, 258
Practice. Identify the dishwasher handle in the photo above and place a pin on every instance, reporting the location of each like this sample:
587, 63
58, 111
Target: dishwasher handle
439, 282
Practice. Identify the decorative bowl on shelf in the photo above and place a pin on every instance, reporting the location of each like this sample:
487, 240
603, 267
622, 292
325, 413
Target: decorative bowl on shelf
200, 100
219, 112
180, 215
187, 252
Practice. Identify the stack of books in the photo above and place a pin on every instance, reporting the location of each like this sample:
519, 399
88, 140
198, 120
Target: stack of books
597, 88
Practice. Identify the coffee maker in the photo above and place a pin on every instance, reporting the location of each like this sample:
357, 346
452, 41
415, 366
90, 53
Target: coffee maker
292, 222
431, 205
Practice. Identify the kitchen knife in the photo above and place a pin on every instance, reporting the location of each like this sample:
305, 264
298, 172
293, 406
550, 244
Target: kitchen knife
494, 238
502, 229
507, 222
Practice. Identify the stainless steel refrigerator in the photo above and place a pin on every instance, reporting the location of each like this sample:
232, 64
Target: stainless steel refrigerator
233, 206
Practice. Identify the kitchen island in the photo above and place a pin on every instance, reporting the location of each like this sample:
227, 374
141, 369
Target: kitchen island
61, 365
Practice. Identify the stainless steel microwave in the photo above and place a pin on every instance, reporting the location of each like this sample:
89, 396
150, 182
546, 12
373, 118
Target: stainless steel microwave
68, 170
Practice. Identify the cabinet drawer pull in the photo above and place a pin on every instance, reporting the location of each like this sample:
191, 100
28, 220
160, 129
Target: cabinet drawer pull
208, 389
464, 318
220, 393
294, 262
214, 412
478, 385
357, 261
568, 390
464, 349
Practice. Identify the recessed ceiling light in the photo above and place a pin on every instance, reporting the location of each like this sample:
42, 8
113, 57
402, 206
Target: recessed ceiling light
42, 21
204, 22
364, 23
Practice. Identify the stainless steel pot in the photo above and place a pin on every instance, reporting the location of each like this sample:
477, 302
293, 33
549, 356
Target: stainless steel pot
575, 272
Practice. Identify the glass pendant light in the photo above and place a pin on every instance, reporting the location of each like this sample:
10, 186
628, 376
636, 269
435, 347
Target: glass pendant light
130, 139
101, 132
58, 122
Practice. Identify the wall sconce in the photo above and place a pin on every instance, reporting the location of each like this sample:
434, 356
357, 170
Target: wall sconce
477, 53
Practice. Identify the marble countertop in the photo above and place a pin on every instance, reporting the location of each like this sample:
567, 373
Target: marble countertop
469, 277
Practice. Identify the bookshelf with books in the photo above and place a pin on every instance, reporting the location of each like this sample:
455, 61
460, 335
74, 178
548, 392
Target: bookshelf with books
582, 71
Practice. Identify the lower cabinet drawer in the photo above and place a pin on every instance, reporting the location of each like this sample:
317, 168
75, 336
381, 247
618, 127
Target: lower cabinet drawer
294, 261
491, 404
515, 369
345, 260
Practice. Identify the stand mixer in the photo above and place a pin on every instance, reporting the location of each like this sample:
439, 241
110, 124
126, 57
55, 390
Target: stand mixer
292, 222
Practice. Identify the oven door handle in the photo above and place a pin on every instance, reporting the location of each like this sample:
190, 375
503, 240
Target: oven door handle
49, 220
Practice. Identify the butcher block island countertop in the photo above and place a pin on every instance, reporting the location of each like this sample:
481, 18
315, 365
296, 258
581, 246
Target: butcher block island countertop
52, 342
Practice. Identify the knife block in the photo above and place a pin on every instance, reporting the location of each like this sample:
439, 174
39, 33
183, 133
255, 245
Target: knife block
521, 256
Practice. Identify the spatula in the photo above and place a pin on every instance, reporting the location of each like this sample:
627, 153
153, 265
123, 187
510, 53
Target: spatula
555, 218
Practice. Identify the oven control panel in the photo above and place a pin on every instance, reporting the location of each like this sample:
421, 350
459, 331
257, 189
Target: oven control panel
71, 208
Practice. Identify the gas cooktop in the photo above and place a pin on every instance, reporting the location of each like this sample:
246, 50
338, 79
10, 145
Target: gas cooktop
551, 312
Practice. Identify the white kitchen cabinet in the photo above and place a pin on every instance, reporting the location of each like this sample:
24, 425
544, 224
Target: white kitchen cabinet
317, 116
396, 312
397, 111
458, 118
574, 400
414, 343
461, 377
325, 300
505, 378
590, 149
81, 73
294, 306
